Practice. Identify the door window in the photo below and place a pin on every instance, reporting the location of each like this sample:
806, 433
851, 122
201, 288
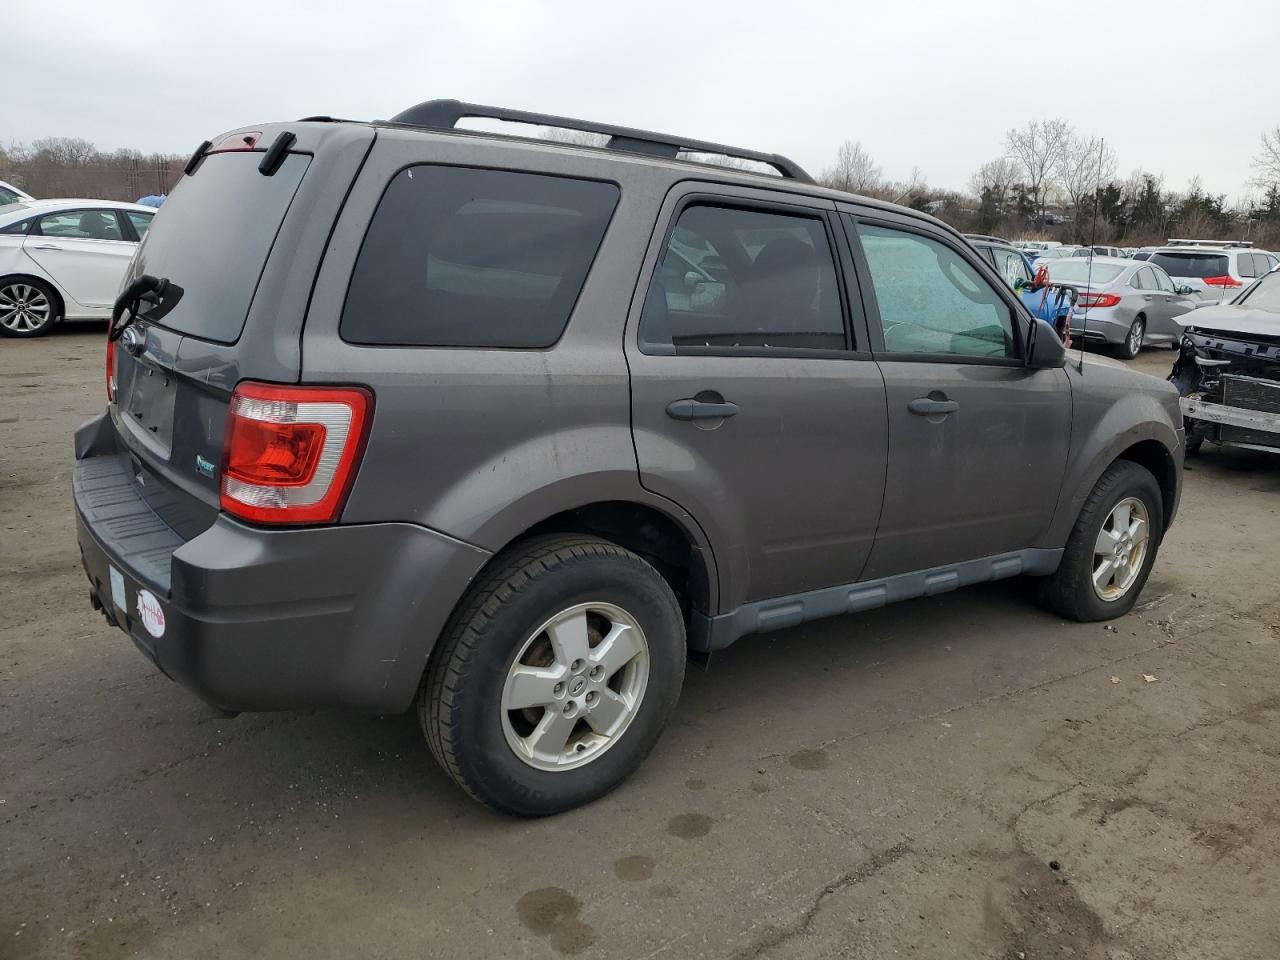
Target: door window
1162, 280
1011, 266
1245, 265
81, 225
931, 300
736, 279
1144, 280
140, 221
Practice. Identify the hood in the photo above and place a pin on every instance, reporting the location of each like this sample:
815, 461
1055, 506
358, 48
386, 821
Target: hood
1229, 318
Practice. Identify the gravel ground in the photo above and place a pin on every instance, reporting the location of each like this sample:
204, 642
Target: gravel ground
963, 776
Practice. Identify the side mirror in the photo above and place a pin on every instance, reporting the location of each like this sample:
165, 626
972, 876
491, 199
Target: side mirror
1185, 291
1044, 349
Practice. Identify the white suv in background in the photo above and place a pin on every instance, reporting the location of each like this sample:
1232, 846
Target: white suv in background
1215, 274
11, 194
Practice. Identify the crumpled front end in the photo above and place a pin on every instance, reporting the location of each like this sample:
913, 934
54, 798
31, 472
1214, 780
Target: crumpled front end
1229, 384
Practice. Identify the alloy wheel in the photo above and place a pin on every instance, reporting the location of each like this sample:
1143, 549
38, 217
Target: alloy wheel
1120, 549
575, 686
23, 307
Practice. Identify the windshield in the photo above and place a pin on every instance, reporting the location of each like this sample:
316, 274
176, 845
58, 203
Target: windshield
1193, 265
1079, 271
1265, 294
211, 239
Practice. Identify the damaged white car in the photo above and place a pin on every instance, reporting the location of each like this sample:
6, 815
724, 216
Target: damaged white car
1228, 370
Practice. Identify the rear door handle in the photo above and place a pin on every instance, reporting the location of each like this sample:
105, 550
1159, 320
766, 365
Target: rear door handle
45, 246
928, 407
691, 409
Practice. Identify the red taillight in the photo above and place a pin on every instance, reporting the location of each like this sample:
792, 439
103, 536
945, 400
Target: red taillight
1098, 299
111, 370
1223, 282
290, 453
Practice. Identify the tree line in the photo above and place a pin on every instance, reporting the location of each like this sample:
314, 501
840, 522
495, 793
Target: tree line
73, 167
1053, 182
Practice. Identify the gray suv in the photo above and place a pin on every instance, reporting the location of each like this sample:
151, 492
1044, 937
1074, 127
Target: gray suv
405, 415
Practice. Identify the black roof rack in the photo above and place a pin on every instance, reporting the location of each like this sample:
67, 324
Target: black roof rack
445, 114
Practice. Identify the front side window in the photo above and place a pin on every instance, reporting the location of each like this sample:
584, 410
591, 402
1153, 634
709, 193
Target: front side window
81, 225
1011, 266
463, 257
1162, 280
733, 279
931, 300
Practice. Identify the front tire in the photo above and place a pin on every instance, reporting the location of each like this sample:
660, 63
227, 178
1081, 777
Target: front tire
1111, 549
555, 676
28, 307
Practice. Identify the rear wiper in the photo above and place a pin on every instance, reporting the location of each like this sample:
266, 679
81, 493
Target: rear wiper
147, 289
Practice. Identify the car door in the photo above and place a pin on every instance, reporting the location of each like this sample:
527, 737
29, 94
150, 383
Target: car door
977, 440
1172, 305
755, 405
85, 251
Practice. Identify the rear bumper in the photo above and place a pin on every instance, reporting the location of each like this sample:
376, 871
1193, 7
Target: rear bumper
258, 619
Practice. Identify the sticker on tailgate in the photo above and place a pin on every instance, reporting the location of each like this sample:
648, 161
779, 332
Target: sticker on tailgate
151, 614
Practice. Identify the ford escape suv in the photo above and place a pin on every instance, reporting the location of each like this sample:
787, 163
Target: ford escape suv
406, 415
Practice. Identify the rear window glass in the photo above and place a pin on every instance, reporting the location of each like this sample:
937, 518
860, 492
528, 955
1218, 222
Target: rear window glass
460, 257
1082, 271
211, 239
1197, 265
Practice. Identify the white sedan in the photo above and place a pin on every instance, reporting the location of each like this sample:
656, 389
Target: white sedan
64, 259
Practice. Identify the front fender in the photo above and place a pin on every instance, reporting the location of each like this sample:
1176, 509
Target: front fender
1112, 411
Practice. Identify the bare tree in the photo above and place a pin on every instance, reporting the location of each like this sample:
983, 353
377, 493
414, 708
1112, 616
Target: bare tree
1037, 150
1084, 165
854, 170
994, 179
1267, 160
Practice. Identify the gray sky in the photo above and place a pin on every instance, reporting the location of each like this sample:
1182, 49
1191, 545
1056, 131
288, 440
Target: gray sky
929, 84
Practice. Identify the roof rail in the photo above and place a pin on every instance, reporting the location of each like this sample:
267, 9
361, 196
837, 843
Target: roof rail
1182, 242
445, 114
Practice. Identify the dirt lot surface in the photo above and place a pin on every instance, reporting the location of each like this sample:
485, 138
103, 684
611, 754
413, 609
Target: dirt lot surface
958, 777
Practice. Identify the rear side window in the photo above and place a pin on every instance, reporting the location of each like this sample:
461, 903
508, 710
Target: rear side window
1245, 265
141, 222
81, 225
20, 228
211, 239
460, 257
744, 280
1144, 279
1195, 265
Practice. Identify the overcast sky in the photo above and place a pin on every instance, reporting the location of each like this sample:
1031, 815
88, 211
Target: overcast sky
1179, 88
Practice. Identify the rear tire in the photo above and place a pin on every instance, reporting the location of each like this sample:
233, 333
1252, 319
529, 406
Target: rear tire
555, 676
1125, 491
1133, 340
28, 307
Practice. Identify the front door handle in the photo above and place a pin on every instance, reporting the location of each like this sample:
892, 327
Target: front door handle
928, 407
691, 409
45, 246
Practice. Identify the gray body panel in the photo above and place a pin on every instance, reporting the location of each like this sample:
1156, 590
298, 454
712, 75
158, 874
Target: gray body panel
823, 495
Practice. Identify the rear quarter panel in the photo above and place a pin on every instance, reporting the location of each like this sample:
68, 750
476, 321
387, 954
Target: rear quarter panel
481, 444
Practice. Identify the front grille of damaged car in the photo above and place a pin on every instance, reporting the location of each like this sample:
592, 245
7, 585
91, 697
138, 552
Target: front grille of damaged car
1250, 393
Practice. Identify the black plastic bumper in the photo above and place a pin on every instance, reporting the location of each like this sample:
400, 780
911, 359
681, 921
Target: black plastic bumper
267, 619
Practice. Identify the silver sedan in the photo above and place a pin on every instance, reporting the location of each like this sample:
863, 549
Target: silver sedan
1123, 303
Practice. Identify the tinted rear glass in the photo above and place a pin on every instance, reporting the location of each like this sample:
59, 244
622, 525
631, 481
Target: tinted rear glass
211, 239
459, 257
1198, 265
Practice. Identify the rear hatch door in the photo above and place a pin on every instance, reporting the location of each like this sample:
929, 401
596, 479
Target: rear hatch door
1194, 267
240, 249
